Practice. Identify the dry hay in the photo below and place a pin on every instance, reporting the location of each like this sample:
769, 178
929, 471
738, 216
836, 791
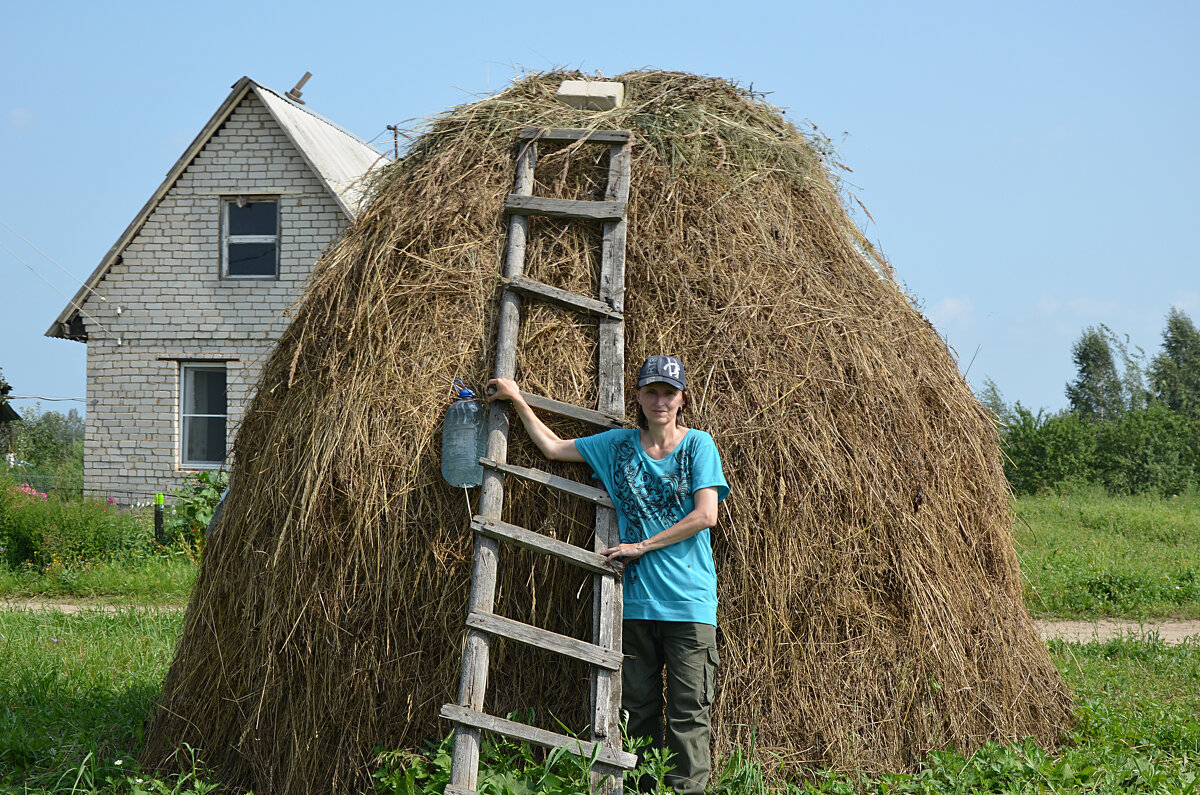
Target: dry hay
870, 596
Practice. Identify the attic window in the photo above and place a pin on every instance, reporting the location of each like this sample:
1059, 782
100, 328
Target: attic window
250, 237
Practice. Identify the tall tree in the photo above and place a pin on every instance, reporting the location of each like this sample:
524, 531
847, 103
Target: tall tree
1175, 371
993, 401
1097, 393
48, 438
8, 416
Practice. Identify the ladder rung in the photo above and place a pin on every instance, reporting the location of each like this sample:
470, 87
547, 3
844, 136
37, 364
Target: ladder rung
598, 496
545, 639
532, 734
601, 418
564, 208
558, 134
536, 542
562, 297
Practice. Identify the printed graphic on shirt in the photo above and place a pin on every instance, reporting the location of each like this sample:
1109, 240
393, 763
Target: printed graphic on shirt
642, 494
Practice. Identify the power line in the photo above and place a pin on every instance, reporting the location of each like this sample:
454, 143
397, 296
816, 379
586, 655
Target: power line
70, 301
42, 397
29, 243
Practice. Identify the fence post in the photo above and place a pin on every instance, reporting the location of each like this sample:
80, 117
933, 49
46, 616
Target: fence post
159, 535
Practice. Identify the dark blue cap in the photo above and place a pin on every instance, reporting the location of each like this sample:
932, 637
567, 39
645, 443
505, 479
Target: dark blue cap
664, 369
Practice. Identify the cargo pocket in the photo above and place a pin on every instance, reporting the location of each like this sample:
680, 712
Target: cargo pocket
710, 675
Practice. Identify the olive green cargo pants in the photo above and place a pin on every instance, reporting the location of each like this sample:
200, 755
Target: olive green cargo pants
688, 652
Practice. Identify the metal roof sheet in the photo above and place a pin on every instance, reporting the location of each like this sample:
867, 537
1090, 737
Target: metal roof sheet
339, 159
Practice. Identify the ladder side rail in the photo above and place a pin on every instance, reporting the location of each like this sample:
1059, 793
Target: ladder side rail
608, 601
464, 770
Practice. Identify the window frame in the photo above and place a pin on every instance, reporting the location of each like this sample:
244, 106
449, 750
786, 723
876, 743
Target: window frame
183, 415
227, 239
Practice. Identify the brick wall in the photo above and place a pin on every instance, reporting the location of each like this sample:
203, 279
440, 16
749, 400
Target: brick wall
175, 306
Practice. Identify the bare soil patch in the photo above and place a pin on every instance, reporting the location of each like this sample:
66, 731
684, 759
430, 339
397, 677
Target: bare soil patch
1081, 631
77, 605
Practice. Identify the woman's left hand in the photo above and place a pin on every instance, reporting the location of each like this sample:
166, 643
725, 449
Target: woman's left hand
624, 552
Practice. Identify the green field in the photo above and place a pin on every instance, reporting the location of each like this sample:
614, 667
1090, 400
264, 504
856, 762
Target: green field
1082, 555
127, 579
75, 690
1092, 555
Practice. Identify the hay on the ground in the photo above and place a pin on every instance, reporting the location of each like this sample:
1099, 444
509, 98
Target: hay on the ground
870, 596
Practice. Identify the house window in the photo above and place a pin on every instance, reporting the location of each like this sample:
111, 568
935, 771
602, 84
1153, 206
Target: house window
202, 413
250, 237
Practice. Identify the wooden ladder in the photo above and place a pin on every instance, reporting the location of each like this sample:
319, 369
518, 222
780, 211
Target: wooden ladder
604, 652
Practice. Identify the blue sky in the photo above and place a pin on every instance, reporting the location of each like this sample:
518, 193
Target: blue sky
1030, 166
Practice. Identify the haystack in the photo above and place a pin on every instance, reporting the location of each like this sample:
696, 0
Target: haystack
870, 596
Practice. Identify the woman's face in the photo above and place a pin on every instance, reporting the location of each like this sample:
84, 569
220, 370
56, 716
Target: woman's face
660, 403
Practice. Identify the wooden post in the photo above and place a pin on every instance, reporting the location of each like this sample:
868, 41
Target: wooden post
464, 772
607, 596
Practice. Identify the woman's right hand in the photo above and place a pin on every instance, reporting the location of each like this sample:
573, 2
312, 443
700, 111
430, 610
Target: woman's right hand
553, 447
502, 389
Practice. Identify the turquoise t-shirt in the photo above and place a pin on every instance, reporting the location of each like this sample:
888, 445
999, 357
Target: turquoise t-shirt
675, 583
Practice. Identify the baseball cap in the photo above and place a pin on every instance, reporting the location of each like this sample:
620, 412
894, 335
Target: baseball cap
665, 369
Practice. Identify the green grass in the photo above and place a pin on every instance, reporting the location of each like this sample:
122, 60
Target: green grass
133, 578
1091, 555
1138, 732
75, 691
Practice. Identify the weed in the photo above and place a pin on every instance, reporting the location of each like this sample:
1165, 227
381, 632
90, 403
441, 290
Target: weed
159, 576
46, 532
195, 503
507, 767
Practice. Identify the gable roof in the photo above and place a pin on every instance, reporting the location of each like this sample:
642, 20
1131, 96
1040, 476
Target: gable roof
338, 158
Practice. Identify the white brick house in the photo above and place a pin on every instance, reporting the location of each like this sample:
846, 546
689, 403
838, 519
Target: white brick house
181, 312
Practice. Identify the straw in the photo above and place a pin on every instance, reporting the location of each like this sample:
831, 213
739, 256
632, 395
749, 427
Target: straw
871, 605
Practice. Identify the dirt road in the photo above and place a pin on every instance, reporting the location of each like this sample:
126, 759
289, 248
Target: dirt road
1172, 632
1081, 631
77, 606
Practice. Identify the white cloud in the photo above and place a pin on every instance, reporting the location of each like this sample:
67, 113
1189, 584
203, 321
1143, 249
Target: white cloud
20, 118
951, 311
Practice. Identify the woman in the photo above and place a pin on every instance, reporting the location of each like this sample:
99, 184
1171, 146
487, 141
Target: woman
665, 480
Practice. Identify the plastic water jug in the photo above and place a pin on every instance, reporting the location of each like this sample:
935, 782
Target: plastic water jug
464, 440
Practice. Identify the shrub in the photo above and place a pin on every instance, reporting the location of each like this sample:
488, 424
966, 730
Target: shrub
1044, 450
195, 503
1150, 451
39, 530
